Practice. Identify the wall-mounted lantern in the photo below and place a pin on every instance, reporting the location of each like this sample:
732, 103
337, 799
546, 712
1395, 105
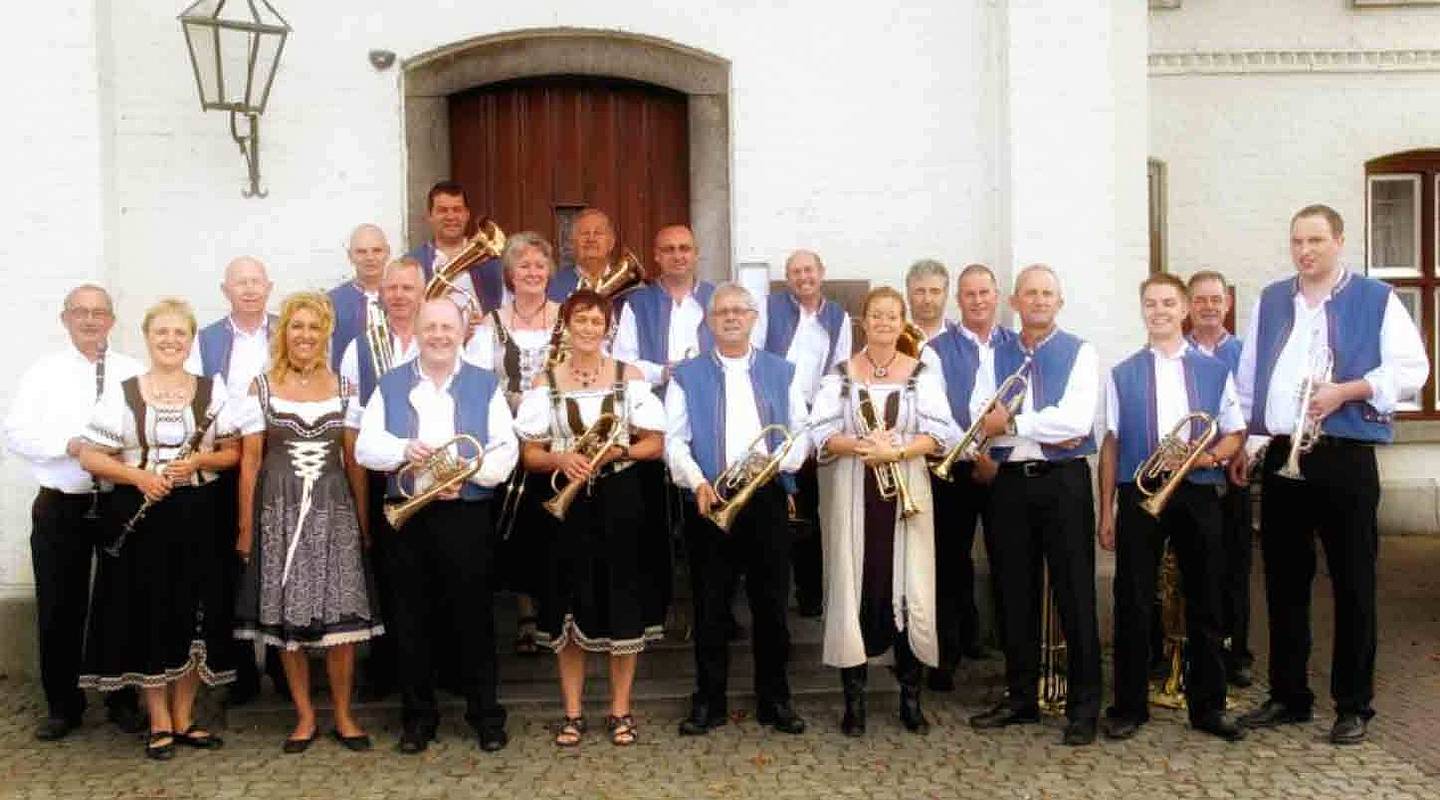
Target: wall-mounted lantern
235, 56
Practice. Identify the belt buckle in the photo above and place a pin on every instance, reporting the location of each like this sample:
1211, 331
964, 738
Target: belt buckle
1031, 469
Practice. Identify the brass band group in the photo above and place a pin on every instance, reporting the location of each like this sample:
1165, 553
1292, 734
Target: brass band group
373, 464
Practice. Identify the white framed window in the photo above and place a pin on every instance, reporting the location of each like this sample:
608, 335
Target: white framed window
1412, 299
1393, 247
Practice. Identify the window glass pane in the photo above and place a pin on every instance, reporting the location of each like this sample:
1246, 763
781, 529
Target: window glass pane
1394, 225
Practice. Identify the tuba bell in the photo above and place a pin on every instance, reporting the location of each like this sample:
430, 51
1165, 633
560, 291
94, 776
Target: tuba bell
447, 470
1175, 457
739, 482
487, 243
589, 444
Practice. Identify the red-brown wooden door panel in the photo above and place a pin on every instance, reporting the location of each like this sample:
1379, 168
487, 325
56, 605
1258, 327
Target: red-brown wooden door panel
530, 153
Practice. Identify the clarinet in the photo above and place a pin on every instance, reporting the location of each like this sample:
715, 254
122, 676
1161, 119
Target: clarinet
93, 512
186, 450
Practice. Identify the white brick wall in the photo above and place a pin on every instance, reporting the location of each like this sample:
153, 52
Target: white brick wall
1309, 24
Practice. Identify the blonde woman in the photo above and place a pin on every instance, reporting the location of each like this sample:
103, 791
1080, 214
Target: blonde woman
148, 627
306, 584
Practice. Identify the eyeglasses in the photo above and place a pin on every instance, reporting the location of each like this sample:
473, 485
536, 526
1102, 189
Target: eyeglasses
94, 314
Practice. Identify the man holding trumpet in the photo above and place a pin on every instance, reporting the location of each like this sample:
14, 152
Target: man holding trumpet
442, 552
716, 409
1172, 420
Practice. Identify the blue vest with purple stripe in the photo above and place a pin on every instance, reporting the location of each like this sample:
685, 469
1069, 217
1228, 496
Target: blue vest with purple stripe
1049, 373
217, 340
1138, 430
651, 306
349, 303
703, 380
487, 277
1355, 312
782, 317
472, 388
959, 361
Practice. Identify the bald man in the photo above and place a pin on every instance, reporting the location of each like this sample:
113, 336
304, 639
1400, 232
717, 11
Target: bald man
237, 347
356, 299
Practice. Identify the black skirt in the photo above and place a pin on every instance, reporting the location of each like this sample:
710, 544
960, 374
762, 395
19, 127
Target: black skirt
152, 614
595, 590
877, 582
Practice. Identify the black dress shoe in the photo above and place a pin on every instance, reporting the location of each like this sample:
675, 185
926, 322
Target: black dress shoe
55, 728
414, 740
128, 719
1079, 732
781, 717
1117, 727
1272, 713
911, 716
1241, 677
295, 747
1348, 729
1221, 726
701, 720
493, 738
358, 744
939, 680
1004, 714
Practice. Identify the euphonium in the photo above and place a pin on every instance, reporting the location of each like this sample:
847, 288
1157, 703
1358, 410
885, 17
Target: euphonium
739, 482
589, 444
1307, 428
377, 335
447, 470
488, 242
890, 477
972, 445
1174, 456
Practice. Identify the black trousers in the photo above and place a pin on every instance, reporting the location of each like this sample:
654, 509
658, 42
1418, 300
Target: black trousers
1191, 523
1046, 512
758, 544
959, 504
1238, 542
62, 545
439, 567
1337, 500
805, 555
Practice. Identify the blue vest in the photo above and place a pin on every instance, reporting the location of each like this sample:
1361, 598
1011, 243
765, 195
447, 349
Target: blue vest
487, 277
1049, 375
366, 368
703, 380
349, 304
959, 361
216, 341
782, 317
1228, 350
472, 389
651, 306
1356, 310
1139, 432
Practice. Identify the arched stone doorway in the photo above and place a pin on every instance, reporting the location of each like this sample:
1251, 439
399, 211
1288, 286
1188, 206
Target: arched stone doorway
431, 78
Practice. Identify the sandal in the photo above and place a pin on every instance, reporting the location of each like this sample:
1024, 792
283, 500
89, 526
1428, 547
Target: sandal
157, 751
525, 643
623, 730
199, 738
568, 733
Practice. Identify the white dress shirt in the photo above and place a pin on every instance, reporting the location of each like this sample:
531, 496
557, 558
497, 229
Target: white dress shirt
350, 361
984, 388
742, 424
249, 356
1172, 401
1070, 418
53, 403
809, 347
378, 449
682, 342
1403, 368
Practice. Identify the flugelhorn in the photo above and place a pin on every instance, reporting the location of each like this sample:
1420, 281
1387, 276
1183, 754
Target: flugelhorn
1307, 428
1173, 457
737, 484
589, 444
972, 445
447, 470
488, 242
889, 476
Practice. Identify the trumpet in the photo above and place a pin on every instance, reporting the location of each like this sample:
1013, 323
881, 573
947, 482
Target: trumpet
589, 444
890, 477
447, 470
487, 243
738, 483
1175, 457
377, 335
1307, 428
617, 279
972, 445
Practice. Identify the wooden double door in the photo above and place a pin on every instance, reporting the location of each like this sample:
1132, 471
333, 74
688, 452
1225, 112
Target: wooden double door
532, 153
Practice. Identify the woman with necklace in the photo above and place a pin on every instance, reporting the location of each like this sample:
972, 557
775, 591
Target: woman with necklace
148, 627
306, 585
880, 565
594, 593
514, 342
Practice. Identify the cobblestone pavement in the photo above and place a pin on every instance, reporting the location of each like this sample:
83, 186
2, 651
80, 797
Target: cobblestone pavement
1401, 760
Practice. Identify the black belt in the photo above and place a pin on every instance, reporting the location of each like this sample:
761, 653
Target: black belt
1035, 468
46, 491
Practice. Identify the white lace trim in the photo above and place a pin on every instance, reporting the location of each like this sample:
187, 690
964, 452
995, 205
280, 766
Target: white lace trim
327, 640
197, 660
570, 632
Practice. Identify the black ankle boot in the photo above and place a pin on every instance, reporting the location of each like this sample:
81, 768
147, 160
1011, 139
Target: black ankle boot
852, 679
910, 714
